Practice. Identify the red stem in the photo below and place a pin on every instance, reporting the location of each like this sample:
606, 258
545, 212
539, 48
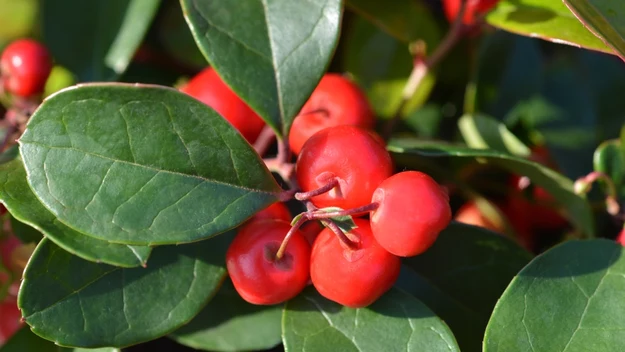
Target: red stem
339, 233
321, 190
347, 212
289, 234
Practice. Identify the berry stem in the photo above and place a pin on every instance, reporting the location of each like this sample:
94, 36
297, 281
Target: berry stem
423, 65
289, 234
583, 185
339, 233
346, 212
264, 140
315, 192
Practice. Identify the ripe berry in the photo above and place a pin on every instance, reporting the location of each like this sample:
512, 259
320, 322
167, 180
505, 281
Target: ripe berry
412, 210
470, 214
620, 238
257, 275
349, 154
545, 215
25, 66
276, 211
10, 319
473, 9
211, 90
352, 277
336, 101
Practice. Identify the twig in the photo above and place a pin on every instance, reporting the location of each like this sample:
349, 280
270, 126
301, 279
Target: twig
423, 66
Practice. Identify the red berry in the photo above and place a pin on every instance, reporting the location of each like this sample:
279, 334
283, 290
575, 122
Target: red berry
473, 9
7, 246
276, 211
620, 238
470, 214
545, 215
351, 155
10, 319
257, 275
413, 209
211, 90
336, 101
352, 277
25, 66
311, 230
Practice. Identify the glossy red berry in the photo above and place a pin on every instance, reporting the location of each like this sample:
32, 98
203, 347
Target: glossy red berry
257, 275
473, 9
210, 89
413, 209
620, 238
349, 154
470, 214
352, 277
542, 205
10, 319
25, 66
336, 101
276, 211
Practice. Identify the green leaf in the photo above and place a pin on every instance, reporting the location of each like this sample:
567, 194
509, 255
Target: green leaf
570, 298
381, 65
556, 184
92, 305
395, 322
405, 20
462, 276
24, 206
24, 340
9, 154
25, 233
272, 53
345, 223
96, 39
609, 159
228, 323
142, 165
546, 19
483, 132
604, 18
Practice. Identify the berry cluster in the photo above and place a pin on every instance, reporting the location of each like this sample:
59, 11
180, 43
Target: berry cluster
342, 170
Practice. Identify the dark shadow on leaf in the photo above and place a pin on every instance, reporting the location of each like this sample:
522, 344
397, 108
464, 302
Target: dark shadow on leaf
529, 14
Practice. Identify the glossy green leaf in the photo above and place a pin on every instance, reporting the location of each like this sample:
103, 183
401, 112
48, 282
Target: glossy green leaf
395, 322
271, 52
609, 159
546, 19
570, 298
25, 233
137, 20
92, 305
381, 65
405, 20
96, 39
462, 276
24, 206
24, 340
556, 184
228, 323
483, 132
142, 165
604, 18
